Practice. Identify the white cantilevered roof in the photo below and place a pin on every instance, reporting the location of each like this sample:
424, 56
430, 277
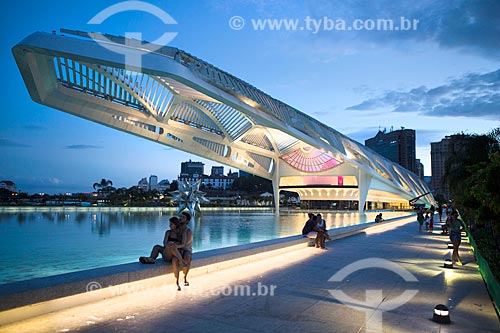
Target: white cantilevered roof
179, 100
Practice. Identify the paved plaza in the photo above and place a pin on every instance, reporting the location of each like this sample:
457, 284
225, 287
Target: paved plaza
386, 279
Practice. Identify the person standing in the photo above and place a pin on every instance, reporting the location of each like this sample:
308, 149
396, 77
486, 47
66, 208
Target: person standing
431, 221
455, 228
420, 218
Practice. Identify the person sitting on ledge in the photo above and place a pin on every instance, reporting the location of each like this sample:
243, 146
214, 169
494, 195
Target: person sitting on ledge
315, 227
308, 230
322, 232
379, 218
172, 242
187, 251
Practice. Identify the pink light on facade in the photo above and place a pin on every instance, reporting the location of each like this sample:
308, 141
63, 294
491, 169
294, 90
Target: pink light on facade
310, 159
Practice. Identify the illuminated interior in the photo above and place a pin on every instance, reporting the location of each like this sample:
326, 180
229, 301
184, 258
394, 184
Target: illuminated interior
310, 159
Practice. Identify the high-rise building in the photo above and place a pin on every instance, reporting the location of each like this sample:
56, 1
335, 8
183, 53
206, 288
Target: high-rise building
8, 185
217, 171
143, 184
218, 181
398, 146
440, 152
243, 173
192, 169
153, 182
439, 155
164, 185
420, 168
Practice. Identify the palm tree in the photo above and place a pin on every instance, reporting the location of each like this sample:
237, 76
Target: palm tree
104, 186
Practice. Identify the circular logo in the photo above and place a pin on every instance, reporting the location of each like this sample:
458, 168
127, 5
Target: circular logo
133, 39
236, 22
374, 304
91, 286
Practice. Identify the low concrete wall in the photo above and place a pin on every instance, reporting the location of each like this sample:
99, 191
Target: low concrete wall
26, 299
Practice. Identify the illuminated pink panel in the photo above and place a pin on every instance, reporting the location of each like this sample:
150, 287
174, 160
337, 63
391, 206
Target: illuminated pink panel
341, 181
309, 159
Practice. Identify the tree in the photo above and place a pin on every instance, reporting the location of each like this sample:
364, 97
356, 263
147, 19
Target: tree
465, 152
105, 186
174, 185
472, 171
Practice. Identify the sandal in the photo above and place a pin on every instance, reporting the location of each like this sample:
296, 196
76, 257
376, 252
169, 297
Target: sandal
145, 260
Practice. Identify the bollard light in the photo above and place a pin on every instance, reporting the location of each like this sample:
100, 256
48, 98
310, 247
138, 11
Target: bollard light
448, 263
441, 314
450, 245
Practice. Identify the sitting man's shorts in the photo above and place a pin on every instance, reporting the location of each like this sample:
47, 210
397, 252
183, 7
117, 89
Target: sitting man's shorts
312, 234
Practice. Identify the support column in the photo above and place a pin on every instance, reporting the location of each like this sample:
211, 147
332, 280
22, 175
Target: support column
364, 180
276, 187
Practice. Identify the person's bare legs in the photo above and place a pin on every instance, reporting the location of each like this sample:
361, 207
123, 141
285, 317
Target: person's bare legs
455, 256
316, 240
157, 249
175, 267
322, 240
175, 252
185, 269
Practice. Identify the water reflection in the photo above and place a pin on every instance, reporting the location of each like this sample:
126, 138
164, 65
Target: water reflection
86, 236
100, 224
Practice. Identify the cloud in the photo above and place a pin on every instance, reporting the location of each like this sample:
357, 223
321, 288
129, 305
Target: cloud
51, 180
463, 25
472, 95
12, 144
81, 147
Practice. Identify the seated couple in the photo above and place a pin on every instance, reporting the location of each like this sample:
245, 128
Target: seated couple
315, 228
177, 247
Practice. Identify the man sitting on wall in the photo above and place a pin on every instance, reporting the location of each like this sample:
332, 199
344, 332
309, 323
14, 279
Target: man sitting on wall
187, 250
379, 218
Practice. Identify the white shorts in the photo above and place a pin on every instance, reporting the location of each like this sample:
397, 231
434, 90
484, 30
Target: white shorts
312, 234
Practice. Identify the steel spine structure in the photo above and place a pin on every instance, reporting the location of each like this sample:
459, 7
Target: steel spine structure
171, 97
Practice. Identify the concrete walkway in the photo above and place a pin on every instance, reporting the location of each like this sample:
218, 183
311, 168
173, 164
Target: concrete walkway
392, 275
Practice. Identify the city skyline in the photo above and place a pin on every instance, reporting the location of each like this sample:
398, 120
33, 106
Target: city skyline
435, 80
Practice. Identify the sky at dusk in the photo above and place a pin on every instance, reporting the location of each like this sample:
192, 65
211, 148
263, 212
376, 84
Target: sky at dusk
441, 78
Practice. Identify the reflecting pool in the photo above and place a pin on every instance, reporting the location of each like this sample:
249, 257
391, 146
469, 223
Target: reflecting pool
48, 241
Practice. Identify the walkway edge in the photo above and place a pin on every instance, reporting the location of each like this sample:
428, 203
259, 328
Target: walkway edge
28, 299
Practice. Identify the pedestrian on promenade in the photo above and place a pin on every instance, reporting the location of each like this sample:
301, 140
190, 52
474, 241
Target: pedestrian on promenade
172, 242
186, 251
379, 218
308, 229
315, 227
449, 211
455, 227
431, 221
427, 220
322, 232
420, 218
440, 211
